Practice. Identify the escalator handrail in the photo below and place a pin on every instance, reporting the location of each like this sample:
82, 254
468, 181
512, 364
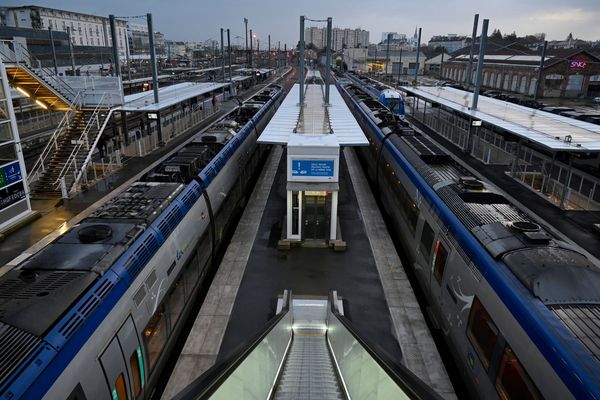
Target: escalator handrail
207, 383
400, 374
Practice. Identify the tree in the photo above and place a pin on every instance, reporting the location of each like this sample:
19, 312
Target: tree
496, 35
511, 37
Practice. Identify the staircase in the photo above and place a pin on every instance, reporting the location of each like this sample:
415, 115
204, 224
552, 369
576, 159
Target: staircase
72, 151
37, 82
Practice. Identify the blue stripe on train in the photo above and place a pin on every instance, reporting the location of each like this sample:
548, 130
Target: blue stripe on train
57, 351
564, 352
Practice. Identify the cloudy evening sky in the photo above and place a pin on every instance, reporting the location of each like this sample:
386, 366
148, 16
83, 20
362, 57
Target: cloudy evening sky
200, 20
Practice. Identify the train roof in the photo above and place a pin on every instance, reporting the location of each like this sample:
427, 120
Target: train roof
498, 224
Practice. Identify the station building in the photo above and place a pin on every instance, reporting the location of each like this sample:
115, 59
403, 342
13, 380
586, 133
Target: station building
86, 29
571, 73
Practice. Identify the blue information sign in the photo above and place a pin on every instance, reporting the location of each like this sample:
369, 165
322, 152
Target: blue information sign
12, 173
311, 168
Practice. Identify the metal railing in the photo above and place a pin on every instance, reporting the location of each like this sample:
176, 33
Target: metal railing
83, 143
40, 165
94, 88
14, 52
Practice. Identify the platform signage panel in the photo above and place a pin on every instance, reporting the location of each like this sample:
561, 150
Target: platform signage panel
10, 173
313, 168
12, 194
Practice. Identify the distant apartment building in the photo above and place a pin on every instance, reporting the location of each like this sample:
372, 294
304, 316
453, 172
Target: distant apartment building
451, 42
175, 48
341, 37
395, 36
85, 29
159, 43
139, 42
349, 38
316, 36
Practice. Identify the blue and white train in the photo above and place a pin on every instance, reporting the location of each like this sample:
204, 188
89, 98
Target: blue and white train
96, 313
390, 98
518, 307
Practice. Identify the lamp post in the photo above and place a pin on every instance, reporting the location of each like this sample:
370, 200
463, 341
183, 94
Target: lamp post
250, 48
246, 47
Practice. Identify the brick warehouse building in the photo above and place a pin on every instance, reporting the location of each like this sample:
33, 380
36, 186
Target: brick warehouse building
567, 72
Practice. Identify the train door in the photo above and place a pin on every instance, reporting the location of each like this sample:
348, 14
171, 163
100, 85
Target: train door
423, 253
125, 381
134, 360
438, 262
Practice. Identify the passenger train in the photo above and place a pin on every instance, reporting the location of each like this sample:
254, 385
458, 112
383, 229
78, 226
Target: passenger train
518, 307
96, 313
390, 98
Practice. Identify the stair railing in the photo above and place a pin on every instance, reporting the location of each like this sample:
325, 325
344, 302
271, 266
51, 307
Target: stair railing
20, 55
40, 165
83, 143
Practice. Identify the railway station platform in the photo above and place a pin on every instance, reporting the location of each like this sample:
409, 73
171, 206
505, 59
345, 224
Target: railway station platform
245, 294
56, 218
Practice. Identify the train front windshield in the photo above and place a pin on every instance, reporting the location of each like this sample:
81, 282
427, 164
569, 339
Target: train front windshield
394, 105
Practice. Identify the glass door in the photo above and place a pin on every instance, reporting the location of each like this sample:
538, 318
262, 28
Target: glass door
315, 215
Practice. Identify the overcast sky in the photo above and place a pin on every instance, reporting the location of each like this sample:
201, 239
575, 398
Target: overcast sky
189, 20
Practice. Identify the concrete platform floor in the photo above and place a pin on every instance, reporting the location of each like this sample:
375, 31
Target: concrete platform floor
369, 276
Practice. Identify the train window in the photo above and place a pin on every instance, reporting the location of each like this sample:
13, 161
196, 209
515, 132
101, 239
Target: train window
512, 381
482, 332
136, 361
427, 236
119, 391
155, 335
176, 301
440, 255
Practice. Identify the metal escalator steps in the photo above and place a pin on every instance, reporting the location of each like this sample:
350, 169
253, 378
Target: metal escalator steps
308, 372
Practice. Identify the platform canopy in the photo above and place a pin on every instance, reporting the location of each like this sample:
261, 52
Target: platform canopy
315, 119
554, 132
168, 96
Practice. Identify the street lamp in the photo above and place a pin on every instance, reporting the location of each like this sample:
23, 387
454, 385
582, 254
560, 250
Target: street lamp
246, 48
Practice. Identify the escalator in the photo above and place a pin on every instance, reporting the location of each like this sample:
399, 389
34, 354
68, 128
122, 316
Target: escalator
309, 350
308, 370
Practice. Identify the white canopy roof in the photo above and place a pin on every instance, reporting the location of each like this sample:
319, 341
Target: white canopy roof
315, 120
168, 96
546, 129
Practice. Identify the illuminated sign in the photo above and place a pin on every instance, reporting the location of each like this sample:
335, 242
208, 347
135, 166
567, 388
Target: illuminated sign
152, 115
579, 62
312, 168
